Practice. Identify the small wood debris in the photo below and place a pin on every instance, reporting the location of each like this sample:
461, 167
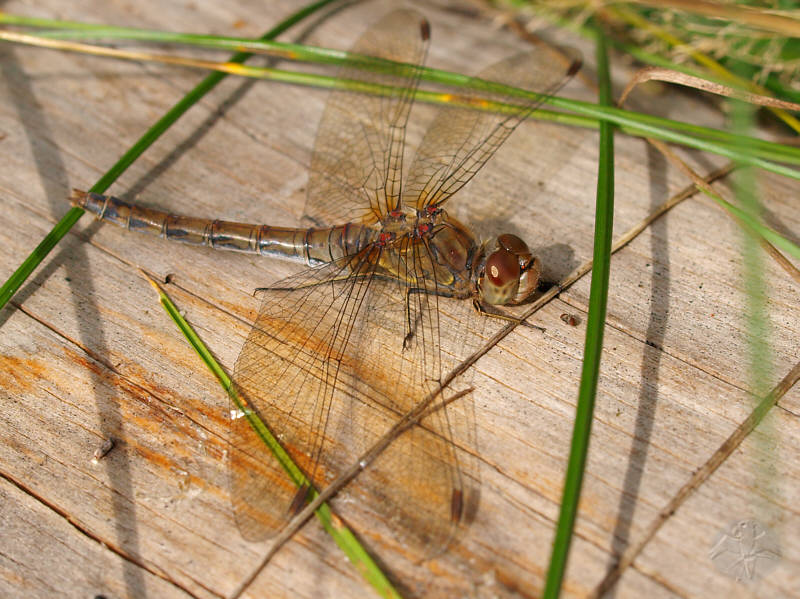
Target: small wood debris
103, 450
570, 319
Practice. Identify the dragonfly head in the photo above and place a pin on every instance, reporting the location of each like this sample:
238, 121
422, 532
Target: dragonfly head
510, 273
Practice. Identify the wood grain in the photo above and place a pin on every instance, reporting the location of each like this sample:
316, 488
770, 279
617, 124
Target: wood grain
88, 353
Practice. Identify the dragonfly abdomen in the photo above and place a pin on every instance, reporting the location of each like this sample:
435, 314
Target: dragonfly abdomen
312, 246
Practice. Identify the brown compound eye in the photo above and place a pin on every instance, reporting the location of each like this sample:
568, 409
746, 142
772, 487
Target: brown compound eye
516, 246
499, 281
502, 267
513, 244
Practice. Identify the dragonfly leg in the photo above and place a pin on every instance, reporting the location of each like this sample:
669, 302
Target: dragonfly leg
421, 291
492, 312
411, 325
343, 277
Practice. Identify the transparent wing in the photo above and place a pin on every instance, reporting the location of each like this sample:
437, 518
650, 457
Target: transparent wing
356, 166
332, 363
413, 339
460, 140
287, 372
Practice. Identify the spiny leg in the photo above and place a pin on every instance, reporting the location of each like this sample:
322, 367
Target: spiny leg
411, 325
421, 291
489, 311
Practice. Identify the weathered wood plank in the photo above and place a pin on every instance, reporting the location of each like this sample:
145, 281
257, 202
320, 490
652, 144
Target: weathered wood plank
696, 276
155, 496
758, 483
90, 353
44, 555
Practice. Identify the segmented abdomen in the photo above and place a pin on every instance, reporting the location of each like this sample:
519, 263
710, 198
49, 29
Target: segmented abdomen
309, 245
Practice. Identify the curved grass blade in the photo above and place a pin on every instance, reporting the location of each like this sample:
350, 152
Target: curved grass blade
625, 119
342, 535
598, 297
759, 357
750, 150
704, 66
712, 65
747, 150
19, 276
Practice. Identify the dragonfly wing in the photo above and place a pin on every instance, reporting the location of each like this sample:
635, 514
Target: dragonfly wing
461, 139
331, 365
287, 373
429, 475
357, 161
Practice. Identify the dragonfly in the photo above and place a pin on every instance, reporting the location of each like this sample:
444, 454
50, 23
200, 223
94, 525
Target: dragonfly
340, 351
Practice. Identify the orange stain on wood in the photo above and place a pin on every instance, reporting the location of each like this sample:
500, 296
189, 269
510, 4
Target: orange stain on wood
21, 373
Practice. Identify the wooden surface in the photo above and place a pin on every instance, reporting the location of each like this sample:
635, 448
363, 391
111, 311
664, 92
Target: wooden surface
87, 353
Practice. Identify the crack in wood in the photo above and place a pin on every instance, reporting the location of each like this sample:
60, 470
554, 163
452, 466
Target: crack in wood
702, 474
79, 527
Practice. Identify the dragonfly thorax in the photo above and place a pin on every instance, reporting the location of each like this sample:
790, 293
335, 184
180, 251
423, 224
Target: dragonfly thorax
453, 243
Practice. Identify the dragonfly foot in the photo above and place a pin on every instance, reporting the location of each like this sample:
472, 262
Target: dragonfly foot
407, 340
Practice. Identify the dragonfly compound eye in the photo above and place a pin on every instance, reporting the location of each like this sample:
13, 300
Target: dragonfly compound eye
528, 281
516, 246
501, 278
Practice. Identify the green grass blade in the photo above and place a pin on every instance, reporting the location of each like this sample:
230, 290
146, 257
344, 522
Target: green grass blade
640, 22
760, 361
22, 273
342, 535
19, 276
753, 151
746, 149
595, 324
717, 70
73, 30
750, 218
